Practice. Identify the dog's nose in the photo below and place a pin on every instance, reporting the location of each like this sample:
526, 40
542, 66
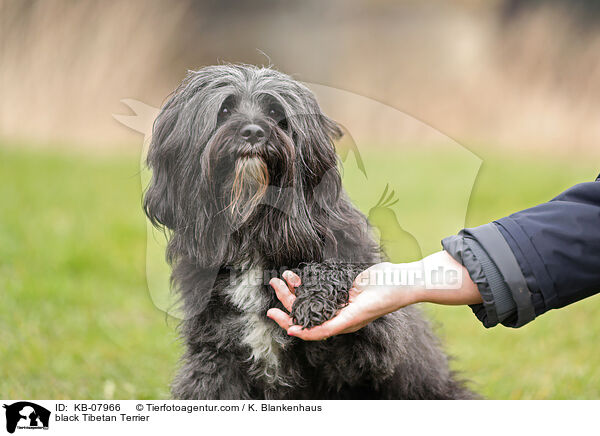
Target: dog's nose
252, 133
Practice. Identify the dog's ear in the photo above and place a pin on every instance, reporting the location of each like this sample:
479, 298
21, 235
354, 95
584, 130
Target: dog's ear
179, 135
317, 148
333, 129
160, 199
314, 136
175, 198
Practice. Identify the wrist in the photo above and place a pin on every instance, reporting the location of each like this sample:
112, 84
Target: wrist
436, 278
453, 286
407, 288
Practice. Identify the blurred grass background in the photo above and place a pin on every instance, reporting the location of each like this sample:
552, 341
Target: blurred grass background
78, 322
74, 298
515, 81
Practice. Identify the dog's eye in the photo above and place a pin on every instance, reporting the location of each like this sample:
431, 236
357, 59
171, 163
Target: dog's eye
226, 108
275, 113
224, 113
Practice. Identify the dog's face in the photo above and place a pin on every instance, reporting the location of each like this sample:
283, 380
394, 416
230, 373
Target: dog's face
242, 156
251, 152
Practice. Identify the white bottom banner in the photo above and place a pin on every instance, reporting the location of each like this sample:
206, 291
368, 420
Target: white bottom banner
299, 417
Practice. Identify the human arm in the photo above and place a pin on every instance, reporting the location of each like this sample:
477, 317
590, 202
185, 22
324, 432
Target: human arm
534, 260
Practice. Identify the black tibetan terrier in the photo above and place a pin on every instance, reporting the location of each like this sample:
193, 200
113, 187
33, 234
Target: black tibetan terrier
246, 183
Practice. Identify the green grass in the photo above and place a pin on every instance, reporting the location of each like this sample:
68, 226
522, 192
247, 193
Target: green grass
77, 319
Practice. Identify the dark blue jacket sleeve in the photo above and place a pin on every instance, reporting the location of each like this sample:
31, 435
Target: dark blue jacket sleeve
535, 260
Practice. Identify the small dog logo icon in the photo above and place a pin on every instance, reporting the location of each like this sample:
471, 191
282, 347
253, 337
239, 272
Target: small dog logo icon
26, 415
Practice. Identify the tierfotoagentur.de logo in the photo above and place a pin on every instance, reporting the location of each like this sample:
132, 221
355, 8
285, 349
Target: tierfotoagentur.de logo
26, 415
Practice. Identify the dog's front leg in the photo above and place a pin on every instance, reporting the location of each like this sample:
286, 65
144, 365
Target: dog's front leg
207, 374
365, 357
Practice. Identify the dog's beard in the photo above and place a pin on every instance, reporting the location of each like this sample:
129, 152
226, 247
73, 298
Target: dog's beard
240, 178
250, 183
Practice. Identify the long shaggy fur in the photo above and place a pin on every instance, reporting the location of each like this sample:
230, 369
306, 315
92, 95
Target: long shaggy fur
238, 214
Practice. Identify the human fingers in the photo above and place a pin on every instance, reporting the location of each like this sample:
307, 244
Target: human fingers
283, 293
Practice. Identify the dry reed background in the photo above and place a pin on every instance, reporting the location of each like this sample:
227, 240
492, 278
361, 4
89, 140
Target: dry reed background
492, 74
531, 81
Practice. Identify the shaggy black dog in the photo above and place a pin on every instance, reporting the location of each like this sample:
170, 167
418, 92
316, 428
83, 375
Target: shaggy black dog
246, 182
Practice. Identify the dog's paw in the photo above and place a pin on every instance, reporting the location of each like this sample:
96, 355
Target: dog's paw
313, 307
324, 291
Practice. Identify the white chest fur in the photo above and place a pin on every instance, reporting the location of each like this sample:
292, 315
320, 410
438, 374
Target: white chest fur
258, 332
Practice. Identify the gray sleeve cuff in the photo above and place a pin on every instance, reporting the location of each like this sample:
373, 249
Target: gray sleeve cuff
493, 243
505, 305
498, 304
